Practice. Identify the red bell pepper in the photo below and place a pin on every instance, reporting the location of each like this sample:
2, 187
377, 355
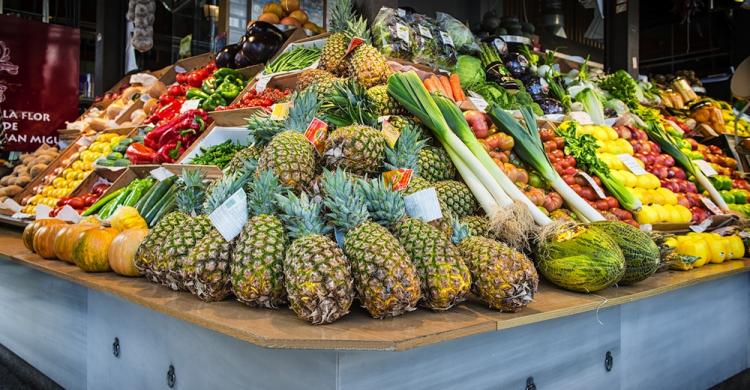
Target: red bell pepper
138, 153
176, 90
170, 152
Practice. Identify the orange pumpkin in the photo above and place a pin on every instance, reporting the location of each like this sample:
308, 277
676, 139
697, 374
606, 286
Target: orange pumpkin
44, 240
122, 251
91, 250
66, 239
30, 229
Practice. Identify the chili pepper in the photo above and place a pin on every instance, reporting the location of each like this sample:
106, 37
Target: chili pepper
167, 111
196, 93
209, 85
228, 90
213, 101
138, 153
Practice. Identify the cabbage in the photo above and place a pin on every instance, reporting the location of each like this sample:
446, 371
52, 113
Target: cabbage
470, 71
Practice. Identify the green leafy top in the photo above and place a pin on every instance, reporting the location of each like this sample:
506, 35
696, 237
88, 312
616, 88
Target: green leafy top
261, 196
192, 192
385, 205
583, 148
406, 153
622, 86
301, 216
347, 206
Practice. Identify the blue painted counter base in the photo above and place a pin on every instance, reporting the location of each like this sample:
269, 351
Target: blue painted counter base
690, 338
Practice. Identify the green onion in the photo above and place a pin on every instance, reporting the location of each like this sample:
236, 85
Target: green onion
529, 148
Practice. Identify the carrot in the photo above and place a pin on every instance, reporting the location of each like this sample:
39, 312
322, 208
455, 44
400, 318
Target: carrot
458, 92
447, 87
429, 83
436, 84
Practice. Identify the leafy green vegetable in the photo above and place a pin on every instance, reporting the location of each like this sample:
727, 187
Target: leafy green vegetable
622, 86
469, 70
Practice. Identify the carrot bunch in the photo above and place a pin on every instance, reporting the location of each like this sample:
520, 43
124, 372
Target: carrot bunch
449, 87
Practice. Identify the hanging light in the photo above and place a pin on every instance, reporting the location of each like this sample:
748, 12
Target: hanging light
553, 19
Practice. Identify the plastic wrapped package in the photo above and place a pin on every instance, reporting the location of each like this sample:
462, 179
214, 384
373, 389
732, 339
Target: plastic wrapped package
392, 34
425, 46
462, 37
446, 49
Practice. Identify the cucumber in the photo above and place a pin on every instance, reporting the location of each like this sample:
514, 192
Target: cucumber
102, 201
112, 205
114, 156
160, 189
144, 199
122, 162
168, 207
171, 194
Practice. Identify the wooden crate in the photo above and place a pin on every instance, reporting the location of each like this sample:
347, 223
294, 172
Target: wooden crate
140, 171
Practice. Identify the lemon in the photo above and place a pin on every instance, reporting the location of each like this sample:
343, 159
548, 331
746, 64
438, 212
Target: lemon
685, 215
647, 215
625, 146
657, 197
612, 133
600, 133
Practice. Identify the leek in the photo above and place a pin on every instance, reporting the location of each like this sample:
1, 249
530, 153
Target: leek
457, 122
530, 149
591, 104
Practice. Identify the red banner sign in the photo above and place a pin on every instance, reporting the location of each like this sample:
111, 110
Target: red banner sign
38, 81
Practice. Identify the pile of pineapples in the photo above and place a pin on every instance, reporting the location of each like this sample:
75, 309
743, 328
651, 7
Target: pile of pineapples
325, 229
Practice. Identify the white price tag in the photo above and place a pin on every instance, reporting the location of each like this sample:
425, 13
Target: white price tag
722, 231
599, 191
581, 117
69, 214
646, 227
424, 31
161, 173
262, 82
191, 104
179, 69
423, 205
400, 12
676, 127
632, 164
12, 205
701, 227
84, 141
744, 234
711, 206
446, 38
144, 79
42, 211
705, 167
402, 32
231, 216
145, 97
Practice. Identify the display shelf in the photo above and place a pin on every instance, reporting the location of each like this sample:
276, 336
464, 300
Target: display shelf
281, 329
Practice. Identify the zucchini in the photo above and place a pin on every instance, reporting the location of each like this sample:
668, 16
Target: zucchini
112, 205
168, 207
101, 202
160, 189
172, 193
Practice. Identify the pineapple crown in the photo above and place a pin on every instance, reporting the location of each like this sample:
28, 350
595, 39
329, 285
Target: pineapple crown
301, 216
460, 231
349, 104
191, 192
261, 193
262, 128
385, 205
226, 186
406, 152
358, 28
347, 206
341, 12
305, 107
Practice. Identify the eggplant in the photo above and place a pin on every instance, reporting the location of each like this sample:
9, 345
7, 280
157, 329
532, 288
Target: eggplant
256, 26
517, 64
550, 106
261, 46
241, 61
536, 86
225, 58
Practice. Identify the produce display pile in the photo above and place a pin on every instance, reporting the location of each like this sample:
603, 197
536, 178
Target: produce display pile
381, 184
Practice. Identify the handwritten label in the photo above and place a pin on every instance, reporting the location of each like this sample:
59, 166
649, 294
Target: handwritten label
599, 192
423, 205
390, 133
316, 133
424, 31
280, 111
705, 167
262, 82
231, 216
711, 206
632, 164
402, 32
701, 227
12, 205
398, 179
447, 40
161, 174
188, 105
353, 44
42, 211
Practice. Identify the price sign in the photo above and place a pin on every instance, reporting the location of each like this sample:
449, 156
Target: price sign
280, 111
42, 211
424, 31
705, 167
179, 69
711, 206
581, 117
599, 192
231, 216
423, 205
12, 205
144, 79
262, 82
188, 105
447, 40
632, 164
398, 179
316, 133
701, 227
402, 32
69, 214
161, 173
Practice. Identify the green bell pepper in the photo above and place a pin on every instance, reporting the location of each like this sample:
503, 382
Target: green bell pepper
209, 85
228, 89
213, 101
221, 73
196, 93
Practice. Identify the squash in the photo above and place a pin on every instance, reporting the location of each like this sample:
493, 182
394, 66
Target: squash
642, 256
44, 240
66, 239
121, 253
30, 229
127, 217
91, 250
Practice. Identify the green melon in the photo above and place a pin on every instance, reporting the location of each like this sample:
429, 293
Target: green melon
640, 251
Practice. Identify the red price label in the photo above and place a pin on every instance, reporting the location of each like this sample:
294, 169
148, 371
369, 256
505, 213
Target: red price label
356, 41
398, 179
316, 133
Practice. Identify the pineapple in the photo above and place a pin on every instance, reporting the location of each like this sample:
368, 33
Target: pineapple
287, 151
368, 66
477, 226
334, 50
502, 277
323, 80
146, 255
257, 261
445, 279
359, 149
185, 234
456, 197
384, 276
251, 152
435, 164
382, 102
317, 275
205, 271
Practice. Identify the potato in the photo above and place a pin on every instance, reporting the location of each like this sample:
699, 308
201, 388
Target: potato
12, 190
37, 169
98, 124
6, 180
23, 180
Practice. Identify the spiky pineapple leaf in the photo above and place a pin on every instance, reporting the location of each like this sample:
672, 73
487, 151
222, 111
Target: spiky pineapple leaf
406, 152
349, 104
347, 206
300, 215
226, 186
305, 107
191, 192
385, 205
262, 190
460, 231
262, 128
341, 12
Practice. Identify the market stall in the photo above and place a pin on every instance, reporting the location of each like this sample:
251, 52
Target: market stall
398, 198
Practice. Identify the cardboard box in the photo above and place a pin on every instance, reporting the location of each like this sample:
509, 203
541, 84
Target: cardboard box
218, 135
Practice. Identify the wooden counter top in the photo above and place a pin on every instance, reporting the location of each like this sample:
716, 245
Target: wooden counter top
281, 328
